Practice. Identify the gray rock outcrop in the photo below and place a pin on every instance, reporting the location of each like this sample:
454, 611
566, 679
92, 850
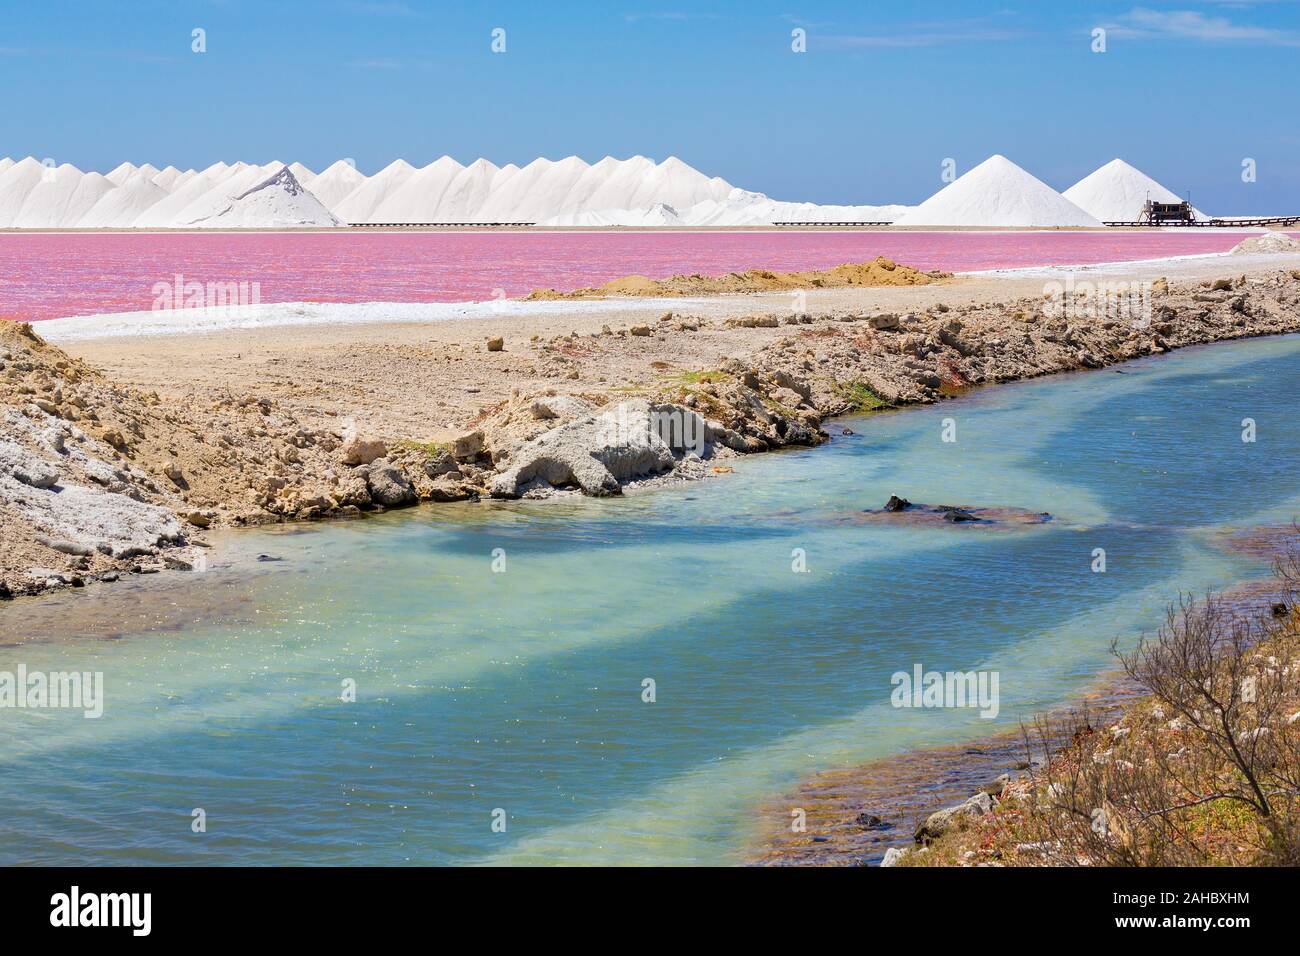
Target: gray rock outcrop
597, 453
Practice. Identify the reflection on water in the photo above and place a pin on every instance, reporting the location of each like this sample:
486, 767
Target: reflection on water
521, 688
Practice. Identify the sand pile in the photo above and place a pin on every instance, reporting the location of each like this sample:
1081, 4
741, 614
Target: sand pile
1117, 192
879, 272
997, 192
1270, 242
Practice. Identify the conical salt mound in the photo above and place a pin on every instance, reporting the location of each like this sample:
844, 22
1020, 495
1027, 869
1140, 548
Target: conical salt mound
276, 202
1117, 192
997, 192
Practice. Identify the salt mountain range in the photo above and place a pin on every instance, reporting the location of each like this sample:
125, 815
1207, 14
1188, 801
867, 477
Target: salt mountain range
568, 192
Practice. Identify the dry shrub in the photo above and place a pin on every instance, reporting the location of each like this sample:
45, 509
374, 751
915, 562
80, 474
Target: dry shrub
1207, 771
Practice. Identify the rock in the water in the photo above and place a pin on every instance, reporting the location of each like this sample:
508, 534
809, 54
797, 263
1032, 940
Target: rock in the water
447, 488
941, 821
388, 485
896, 503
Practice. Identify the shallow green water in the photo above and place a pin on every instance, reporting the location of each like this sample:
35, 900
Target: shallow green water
522, 690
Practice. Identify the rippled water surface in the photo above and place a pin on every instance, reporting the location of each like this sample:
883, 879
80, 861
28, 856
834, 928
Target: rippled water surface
522, 690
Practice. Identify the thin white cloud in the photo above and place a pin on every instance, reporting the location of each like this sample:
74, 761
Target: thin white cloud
1144, 23
919, 34
668, 15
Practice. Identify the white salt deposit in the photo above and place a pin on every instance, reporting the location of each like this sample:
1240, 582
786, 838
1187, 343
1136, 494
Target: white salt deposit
265, 314
120, 174
660, 214
1117, 192
1269, 243
166, 179
415, 198
739, 207
568, 192
63, 195
119, 208
278, 201
16, 183
997, 192
164, 213
360, 204
335, 182
238, 179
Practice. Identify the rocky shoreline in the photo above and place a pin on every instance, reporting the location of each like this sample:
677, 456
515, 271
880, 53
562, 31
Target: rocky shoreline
99, 478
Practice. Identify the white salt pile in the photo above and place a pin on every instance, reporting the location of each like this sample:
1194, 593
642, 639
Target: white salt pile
1269, 243
360, 204
1117, 192
275, 202
997, 192
660, 214
335, 182
62, 195
122, 173
119, 208
568, 192
739, 208
16, 183
166, 179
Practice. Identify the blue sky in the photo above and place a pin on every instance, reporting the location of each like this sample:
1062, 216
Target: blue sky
885, 92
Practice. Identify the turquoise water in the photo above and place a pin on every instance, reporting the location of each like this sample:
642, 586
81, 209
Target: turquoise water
522, 689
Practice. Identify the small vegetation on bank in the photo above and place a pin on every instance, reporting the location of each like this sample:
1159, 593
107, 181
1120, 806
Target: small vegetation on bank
430, 449
860, 397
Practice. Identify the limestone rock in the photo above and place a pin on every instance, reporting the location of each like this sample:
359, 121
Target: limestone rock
360, 450
388, 485
468, 445
596, 453
941, 821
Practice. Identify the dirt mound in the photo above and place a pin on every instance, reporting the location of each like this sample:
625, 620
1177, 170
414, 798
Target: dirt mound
96, 478
878, 272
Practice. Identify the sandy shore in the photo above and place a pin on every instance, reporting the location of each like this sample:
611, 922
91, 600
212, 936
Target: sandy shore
117, 453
